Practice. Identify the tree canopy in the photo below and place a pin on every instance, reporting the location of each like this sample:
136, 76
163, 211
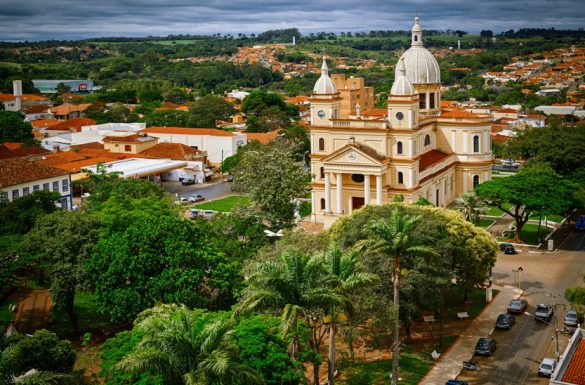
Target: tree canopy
13, 128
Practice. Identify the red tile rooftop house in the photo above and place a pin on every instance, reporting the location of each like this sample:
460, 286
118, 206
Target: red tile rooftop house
571, 367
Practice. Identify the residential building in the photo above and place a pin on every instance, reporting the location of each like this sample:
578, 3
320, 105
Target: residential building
218, 144
417, 150
355, 96
20, 177
50, 86
129, 144
196, 169
571, 367
67, 111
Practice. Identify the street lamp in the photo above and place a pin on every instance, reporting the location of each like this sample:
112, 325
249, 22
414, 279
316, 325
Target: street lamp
555, 326
519, 271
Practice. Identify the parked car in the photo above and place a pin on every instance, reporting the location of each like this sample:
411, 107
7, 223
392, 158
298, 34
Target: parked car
181, 201
208, 214
505, 321
509, 249
572, 318
547, 367
510, 163
544, 312
485, 346
517, 306
196, 198
188, 181
456, 382
194, 213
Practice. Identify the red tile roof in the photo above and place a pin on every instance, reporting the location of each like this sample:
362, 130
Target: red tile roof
135, 138
430, 158
17, 171
36, 109
90, 145
21, 152
67, 108
42, 123
262, 137
74, 124
575, 373
12, 145
187, 131
69, 156
77, 166
458, 113
175, 151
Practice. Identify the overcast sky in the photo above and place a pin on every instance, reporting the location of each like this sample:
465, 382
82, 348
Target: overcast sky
75, 19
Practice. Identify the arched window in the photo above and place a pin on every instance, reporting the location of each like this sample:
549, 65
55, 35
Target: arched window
399, 148
415, 38
322, 172
322, 203
427, 140
432, 100
422, 101
321, 144
475, 181
476, 143
400, 177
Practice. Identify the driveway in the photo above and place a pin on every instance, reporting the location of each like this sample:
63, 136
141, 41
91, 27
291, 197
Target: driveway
207, 190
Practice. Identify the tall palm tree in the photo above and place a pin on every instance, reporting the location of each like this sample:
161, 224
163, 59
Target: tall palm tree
394, 239
350, 276
185, 348
470, 206
298, 287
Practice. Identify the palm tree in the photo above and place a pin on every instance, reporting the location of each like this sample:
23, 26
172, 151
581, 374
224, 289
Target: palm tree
394, 239
350, 276
186, 347
298, 287
470, 206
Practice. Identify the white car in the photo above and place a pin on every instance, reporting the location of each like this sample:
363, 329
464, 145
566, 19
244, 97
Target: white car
181, 201
547, 367
510, 163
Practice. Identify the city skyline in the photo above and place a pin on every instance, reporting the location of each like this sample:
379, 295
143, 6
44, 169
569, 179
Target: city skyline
60, 19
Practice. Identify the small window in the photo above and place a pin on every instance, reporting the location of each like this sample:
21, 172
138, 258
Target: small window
399, 148
321, 144
3, 197
432, 100
322, 203
25, 191
56, 185
476, 143
400, 177
127, 147
415, 38
322, 172
65, 184
475, 181
46, 186
36, 187
422, 101
427, 140
14, 194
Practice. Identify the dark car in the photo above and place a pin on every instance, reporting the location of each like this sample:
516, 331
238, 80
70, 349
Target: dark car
187, 181
456, 382
485, 346
509, 248
505, 321
517, 306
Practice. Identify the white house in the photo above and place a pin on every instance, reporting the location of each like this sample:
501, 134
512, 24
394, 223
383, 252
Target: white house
89, 134
218, 144
20, 177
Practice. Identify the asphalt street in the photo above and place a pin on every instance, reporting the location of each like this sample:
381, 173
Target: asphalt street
521, 349
207, 190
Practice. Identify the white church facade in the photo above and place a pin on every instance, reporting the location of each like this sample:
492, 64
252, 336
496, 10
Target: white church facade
418, 150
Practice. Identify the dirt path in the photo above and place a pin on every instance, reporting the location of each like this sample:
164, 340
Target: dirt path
34, 308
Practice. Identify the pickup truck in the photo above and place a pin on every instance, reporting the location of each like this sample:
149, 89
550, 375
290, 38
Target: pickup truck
544, 312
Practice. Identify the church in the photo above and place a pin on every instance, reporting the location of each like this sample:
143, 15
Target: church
417, 150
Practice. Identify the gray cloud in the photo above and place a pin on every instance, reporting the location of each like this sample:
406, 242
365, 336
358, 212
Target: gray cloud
72, 19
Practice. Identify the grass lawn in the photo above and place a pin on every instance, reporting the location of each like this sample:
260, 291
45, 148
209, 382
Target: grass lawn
496, 212
225, 204
529, 234
454, 303
485, 223
552, 217
89, 318
415, 362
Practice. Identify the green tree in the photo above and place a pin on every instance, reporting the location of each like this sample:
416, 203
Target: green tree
60, 243
470, 206
188, 347
207, 110
394, 239
20, 215
165, 260
350, 278
168, 118
298, 287
13, 128
43, 351
534, 189
576, 296
273, 178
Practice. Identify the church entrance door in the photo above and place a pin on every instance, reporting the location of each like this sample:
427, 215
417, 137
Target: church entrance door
357, 202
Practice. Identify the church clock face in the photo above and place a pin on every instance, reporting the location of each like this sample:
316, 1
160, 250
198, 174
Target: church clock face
321, 114
399, 115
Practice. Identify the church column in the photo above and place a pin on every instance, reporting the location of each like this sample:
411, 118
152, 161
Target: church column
366, 190
327, 192
313, 203
442, 195
428, 99
378, 189
339, 193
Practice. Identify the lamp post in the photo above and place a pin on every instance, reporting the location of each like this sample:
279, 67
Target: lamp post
519, 271
555, 326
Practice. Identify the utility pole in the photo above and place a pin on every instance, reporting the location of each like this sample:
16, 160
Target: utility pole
555, 325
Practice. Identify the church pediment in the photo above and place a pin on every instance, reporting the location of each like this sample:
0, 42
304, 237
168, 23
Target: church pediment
355, 154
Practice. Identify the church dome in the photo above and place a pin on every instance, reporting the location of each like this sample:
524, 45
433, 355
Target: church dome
421, 65
324, 84
401, 86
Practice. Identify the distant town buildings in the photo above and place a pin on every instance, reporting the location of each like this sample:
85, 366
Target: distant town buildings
50, 86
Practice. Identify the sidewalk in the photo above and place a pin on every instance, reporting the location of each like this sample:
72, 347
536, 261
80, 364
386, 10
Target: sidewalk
450, 363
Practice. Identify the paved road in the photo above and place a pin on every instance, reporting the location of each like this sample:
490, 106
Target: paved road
521, 349
208, 191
